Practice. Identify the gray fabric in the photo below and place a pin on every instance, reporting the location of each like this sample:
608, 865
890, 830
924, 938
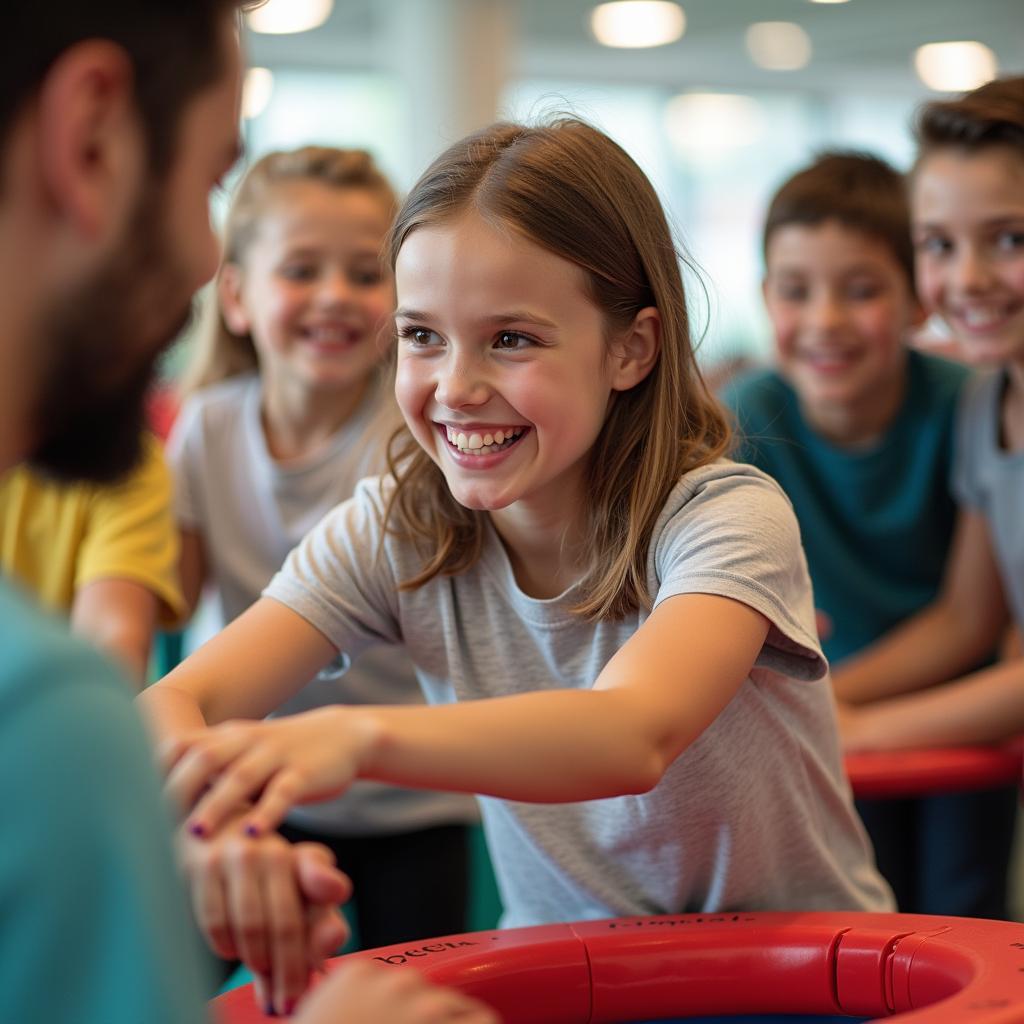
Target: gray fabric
251, 511
755, 814
991, 480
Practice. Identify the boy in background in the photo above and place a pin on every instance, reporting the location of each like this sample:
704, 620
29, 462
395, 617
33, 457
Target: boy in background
858, 430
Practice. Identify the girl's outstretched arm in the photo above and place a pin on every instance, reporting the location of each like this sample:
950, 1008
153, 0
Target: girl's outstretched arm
654, 697
246, 671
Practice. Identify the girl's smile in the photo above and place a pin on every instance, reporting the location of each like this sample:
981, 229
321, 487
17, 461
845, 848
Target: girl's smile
503, 375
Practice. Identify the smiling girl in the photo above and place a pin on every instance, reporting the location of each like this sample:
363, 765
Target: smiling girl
612, 622
286, 412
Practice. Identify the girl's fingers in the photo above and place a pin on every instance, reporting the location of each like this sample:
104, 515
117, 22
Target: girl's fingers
202, 760
288, 939
245, 905
280, 794
237, 785
210, 906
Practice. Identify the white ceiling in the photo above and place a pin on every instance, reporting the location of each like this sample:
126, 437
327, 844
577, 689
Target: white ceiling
864, 44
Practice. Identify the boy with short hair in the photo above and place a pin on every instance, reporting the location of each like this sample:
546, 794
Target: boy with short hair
858, 430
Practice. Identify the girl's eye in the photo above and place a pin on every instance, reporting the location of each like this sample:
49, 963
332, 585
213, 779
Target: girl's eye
298, 271
419, 337
512, 341
368, 278
791, 292
934, 245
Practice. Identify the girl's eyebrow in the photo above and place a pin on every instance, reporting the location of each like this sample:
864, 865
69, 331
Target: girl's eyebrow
511, 317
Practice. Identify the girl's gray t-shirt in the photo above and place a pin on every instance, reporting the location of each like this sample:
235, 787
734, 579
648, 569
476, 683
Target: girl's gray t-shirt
755, 814
251, 511
990, 479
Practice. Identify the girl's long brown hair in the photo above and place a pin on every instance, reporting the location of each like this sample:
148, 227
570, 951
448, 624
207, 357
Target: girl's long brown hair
568, 188
220, 353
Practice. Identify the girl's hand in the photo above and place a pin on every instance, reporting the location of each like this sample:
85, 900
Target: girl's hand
360, 993
269, 903
273, 765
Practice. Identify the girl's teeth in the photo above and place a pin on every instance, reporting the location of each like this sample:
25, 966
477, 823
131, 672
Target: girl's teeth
476, 441
498, 437
488, 439
481, 444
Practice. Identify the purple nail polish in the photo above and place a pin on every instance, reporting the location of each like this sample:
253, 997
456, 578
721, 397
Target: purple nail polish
197, 830
252, 830
269, 1011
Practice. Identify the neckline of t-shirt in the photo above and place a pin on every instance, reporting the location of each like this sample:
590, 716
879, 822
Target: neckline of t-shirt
329, 451
544, 612
999, 383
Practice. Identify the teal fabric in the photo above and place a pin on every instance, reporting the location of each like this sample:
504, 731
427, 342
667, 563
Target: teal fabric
93, 922
876, 523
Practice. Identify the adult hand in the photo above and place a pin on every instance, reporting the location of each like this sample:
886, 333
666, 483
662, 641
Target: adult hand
361, 993
272, 765
269, 903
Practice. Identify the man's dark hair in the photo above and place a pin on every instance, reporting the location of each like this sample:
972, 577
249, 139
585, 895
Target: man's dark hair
174, 47
859, 191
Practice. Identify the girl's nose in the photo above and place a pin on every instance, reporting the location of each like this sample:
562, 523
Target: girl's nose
461, 383
335, 289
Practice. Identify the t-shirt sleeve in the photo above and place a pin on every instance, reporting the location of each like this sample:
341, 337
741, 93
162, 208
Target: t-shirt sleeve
95, 924
184, 446
974, 411
132, 534
736, 536
341, 579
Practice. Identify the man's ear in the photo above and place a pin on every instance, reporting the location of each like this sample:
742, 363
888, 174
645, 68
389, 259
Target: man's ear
229, 295
91, 147
636, 351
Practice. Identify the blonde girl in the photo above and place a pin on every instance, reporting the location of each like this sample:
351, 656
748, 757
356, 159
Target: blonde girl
967, 207
283, 416
612, 622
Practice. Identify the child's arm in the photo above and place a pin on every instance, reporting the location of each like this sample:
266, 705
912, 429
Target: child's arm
248, 670
947, 637
654, 698
986, 707
118, 616
192, 567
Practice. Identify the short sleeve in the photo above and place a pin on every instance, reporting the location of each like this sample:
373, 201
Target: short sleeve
734, 534
131, 534
340, 577
95, 926
183, 457
975, 414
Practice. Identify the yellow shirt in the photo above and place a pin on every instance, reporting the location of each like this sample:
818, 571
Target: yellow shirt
55, 537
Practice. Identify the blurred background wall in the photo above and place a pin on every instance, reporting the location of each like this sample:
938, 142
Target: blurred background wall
734, 96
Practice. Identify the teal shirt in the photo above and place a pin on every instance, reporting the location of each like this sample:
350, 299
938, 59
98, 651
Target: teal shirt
876, 523
94, 924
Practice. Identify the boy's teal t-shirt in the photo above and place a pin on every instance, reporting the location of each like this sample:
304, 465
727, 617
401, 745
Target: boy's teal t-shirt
94, 923
876, 523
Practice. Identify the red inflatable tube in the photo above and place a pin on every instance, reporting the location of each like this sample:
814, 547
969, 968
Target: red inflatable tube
929, 970
907, 773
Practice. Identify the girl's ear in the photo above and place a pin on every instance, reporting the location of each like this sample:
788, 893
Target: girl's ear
636, 351
229, 294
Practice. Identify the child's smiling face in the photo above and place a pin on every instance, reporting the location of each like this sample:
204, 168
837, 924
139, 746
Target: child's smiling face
841, 306
968, 216
503, 373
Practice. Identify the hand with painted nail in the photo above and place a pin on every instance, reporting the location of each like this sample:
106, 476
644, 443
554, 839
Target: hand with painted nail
268, 903
271, 765
361, 993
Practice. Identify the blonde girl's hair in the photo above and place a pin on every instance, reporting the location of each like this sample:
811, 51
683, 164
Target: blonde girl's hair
569, 189
219, 353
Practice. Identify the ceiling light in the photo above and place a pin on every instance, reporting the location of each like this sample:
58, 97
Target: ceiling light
259, 84
637, 23
955, 67
829, 1
701, 126
281, 16
778, 45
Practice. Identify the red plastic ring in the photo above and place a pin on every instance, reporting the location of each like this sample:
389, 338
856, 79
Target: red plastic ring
948, 970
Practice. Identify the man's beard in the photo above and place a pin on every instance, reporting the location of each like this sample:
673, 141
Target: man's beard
100, 351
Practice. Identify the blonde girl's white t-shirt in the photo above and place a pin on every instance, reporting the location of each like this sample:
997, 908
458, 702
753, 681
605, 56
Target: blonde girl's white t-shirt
251, 511
755, 814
